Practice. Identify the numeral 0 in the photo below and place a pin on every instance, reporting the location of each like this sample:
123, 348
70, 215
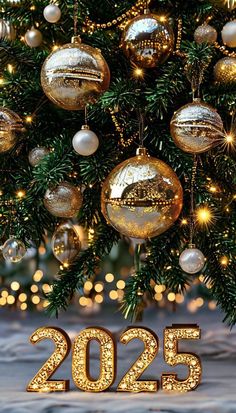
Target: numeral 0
107, 374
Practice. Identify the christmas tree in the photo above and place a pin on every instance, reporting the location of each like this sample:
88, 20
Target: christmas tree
162, 61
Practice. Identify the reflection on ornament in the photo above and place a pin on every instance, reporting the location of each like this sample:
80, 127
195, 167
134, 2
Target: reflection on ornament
85, 142
33, 37
225, 70
37, 154
142, 197
196, 127
66, 243
205, 34
229, 34
10, 125
13, 250
227, 4
52, 13
74, 75
147, 40
192, 260
65, 200
7, 31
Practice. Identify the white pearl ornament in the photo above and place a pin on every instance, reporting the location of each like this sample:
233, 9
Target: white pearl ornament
229, 34
85, 142
52, 13
192, 260
33, 37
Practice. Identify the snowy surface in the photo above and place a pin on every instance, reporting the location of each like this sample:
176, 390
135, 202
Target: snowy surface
19, 362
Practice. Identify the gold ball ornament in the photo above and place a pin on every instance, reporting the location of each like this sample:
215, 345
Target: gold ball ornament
66, 244
196, 127
10, 126
225, 70
37, 154
64, 201
205, 34
74, 75
142, 197
147, 40
7, 30
33, 37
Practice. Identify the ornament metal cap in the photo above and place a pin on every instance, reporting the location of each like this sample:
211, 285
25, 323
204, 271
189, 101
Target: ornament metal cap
85, 127
76, 39
191, 246
141, 151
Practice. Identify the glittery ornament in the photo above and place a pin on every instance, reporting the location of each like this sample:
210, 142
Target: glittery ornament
192, 260
37, 154
13, 250
229, 34
7, 30
66, 243
225, 70
147, 40
64, 200
10, 126
74, 75
205, 34
142, 197
196, 127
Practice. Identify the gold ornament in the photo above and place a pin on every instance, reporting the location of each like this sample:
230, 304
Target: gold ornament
196, 127
10, 125
225, 70
63, 201
37, 154
66, 243
142, 197
7, 30
226, 4
74, 75
147, 40
205, 34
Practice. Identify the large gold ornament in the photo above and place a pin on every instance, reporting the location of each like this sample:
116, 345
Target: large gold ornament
66, 244
10, 125
64, 200
7, 30
147, 40
74, 75
225, 70
196, 127
142, 197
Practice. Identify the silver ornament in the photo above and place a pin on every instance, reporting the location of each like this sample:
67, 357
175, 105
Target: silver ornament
85, 142
52, 13
205, 34
229, 34
13, 250
7, 30
192, 260
33, 37
37, 154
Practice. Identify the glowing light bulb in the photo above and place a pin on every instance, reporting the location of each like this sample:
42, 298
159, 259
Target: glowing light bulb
204, 215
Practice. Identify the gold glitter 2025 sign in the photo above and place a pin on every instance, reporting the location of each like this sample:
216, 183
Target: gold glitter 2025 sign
108, 360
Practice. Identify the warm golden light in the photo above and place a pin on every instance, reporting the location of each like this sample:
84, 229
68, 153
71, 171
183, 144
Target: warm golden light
10, 299
10, 68
88, 285
35, 299
4, 293
204, 215
98, 298
109, 278
23, 306
98, 287
1, 81
3, 301
55, 47
20, 193
83, 301
22, 297
171, 296
138, 72
15, 286
224, 261
28, 119
120, 284
113, 295
34, 288
46, 288
184, 221
38, 275
158, 296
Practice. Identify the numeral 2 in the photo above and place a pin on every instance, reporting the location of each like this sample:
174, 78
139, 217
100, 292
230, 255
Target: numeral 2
41, 382
130, 381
